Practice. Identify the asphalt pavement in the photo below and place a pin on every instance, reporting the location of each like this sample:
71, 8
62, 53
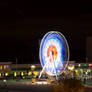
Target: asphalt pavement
29, 87
24, 87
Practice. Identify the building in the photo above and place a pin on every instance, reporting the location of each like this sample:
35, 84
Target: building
5, 68
27, 71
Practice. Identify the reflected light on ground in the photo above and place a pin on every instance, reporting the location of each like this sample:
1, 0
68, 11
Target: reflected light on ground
41, 83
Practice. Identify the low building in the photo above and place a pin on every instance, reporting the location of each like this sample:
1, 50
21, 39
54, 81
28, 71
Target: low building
7, 69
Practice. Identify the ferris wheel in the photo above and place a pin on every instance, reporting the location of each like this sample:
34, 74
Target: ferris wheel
54, 53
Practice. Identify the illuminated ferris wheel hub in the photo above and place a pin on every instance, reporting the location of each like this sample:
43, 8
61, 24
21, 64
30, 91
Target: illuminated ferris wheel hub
54, 53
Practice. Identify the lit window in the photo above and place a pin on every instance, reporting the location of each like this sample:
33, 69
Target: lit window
6, 74
29, 73
88, 70
79, 65
15, 74
6, 66
35, 73
0, 74
0, 67
22, 73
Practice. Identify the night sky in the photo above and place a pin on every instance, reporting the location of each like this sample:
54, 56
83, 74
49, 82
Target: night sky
23, 25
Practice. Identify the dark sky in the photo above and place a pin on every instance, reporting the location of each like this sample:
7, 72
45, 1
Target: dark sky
22, 26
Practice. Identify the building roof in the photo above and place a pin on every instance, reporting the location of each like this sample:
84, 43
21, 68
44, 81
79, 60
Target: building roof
5, 62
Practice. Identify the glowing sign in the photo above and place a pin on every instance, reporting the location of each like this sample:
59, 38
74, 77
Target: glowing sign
90, 64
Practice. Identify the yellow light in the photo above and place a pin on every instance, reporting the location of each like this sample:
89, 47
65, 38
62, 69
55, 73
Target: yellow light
79, 65
0, 67
71, 67
0, 75
88, 70
29, 73
15, 74
6, 74
33, 80
22, 73
76, 71
35, 73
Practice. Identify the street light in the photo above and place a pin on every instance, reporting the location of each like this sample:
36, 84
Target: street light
33, 67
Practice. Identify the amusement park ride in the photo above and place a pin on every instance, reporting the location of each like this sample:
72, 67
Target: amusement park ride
54, 54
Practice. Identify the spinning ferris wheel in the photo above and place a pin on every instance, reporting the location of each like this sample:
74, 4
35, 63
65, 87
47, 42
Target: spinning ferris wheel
54, 53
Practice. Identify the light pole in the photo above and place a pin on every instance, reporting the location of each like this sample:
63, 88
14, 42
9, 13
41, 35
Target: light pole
86, 68
16, 64
32, 69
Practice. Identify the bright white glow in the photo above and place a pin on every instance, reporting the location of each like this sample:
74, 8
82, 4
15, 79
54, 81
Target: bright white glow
42, 82
4, 80
33, 66
6, 74
86, 73
79, 65
71, 67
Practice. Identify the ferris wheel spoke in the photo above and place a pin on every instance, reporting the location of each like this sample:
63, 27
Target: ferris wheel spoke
43, 68
55, 70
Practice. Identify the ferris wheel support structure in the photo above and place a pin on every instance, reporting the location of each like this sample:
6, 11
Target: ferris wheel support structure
45, 66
